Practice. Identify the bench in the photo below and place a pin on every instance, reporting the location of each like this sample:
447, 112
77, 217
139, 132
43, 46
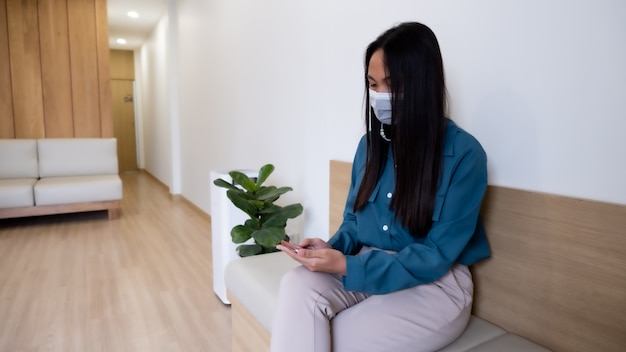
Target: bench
556, 279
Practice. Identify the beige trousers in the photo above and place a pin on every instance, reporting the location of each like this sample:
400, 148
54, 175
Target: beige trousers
316, 314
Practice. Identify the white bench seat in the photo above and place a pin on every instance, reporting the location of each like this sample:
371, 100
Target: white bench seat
254, 282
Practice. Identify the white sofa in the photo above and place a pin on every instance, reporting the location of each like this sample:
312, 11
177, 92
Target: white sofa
59, 175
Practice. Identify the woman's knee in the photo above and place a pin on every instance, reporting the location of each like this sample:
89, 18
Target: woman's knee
301, 284
296, 277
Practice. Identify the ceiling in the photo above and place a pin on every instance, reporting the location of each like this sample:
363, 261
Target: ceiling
134, 30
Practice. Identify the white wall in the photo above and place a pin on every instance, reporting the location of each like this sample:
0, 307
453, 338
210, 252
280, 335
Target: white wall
540, 84
153, 104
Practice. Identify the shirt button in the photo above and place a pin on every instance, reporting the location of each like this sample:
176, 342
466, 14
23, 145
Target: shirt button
389, 195
385, 227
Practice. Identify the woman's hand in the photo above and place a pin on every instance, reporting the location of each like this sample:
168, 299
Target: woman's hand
314, 243
316, 255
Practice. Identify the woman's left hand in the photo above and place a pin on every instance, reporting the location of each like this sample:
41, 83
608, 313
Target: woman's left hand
326, 260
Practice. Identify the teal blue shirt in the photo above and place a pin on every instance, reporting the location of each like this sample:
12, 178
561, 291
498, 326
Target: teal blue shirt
456, 236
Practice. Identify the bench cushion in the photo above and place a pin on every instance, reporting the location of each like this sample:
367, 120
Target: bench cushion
510, 343
478, 331
77, 156
15, 193
78, 189
18, 158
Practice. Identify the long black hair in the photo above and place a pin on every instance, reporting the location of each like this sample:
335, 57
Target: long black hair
419, 108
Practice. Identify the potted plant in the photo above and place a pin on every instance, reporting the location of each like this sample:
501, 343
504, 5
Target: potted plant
267, 221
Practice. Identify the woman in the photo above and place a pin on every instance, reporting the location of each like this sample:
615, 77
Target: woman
395, 276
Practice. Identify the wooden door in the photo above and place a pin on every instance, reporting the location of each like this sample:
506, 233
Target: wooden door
124, 124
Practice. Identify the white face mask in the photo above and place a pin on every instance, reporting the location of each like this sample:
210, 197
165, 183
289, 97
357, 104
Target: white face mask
381, 103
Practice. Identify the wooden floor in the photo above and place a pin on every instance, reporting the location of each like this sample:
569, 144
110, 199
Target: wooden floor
80, 282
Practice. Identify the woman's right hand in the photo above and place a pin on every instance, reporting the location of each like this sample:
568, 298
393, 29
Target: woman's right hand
316, 255
314, 243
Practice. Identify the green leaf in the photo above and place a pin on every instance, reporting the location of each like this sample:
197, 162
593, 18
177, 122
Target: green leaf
280, 217
264, 173
292, 210
246, 250
241, 203
275, 220
263, 190
273, 194
270, 249
243, 194
253, 223
269, 209
269, 236
242, 179
241, 233
221, 183
257, 204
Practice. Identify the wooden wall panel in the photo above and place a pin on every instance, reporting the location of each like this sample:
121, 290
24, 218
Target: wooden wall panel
557, 267
23, 29
102, 36
340, 178
84, 66
7, 129
55, 69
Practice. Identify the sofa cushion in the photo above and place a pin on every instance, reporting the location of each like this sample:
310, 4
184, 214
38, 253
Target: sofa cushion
18, 158
509, 343
17, 192
78, 189
477, 332
77, 156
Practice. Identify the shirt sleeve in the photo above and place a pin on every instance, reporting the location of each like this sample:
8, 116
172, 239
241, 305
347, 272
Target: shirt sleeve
455, 222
